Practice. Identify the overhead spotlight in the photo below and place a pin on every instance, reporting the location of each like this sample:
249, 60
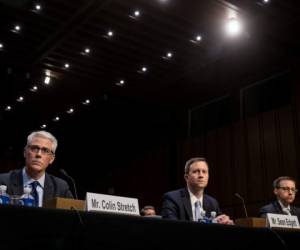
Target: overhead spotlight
233, 27
38, 7
120, 83
86, 102
47, 80
20, 99
86, 51
197, 39
67, 65
266, 1
43, 126
1, 46
8, 108
16, 28
135, 14
168, 56
56, 119
34, 88
70, 111
110, 33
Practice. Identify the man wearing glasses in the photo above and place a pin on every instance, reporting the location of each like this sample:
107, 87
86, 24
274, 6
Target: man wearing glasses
39, 153
285, 192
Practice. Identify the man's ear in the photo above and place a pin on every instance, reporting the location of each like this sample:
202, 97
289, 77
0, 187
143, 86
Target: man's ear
275, 191
186, 176
52, 160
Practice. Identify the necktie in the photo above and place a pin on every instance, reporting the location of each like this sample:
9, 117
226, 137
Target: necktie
197, 210
34, 192
286, 211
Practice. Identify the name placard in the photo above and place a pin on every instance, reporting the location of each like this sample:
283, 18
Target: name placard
112, 204
282, 220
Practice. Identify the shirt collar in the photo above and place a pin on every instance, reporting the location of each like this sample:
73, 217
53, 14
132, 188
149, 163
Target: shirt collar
283, 207
27, 179
194, 198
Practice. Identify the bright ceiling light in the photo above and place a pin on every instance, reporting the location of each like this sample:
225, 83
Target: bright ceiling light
33, 88
70, 111
38, 7
67, 65
1, 46
20, 99
110, 33
144, 69
56, 119
17, 28
8, 108
137, 13
43, 126
233, 27
47, 80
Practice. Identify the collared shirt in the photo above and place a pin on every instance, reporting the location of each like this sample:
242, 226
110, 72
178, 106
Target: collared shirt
285, 209
193, 199
27, 180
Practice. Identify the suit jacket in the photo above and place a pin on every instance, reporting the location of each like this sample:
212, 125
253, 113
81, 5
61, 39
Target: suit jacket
177, 205
275, 208
53, 187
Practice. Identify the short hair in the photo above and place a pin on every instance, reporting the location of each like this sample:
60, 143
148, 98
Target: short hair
191, 161
277, 181
146, 208
43, 134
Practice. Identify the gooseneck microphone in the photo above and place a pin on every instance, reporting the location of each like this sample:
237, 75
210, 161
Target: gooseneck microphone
62, 171
244, 205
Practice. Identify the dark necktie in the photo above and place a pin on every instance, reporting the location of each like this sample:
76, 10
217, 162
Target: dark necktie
34, 193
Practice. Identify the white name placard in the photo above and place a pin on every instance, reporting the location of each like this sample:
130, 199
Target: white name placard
112, 204
282, 220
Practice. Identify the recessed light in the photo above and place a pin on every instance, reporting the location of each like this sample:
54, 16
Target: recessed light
8, 108
110, 33
47, 80
34, 88
86, 102
70, 111
137, 13
56, 119
233, 27
20, 99
43, 126
67, 65
38, 7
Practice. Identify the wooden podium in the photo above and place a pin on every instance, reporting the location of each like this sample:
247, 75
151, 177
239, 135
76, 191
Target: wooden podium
64, 203
251, 222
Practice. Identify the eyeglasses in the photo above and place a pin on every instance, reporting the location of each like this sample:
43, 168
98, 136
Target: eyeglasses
36, 149
287, 189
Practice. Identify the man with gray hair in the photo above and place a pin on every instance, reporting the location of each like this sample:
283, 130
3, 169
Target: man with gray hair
191, 203
39, 153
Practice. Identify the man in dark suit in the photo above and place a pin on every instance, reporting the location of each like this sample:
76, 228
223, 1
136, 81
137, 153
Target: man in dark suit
39, 153
191, 203
285, 191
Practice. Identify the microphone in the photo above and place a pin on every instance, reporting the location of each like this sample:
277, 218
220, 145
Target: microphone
242, 199
62, 171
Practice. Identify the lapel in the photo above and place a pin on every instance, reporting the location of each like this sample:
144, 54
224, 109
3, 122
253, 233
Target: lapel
16, 180
187, 203
206, 204
277, 207
48, 188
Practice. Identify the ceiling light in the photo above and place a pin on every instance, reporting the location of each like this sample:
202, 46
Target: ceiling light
33, 88
70, 111
43, 126
266, 1
233, 27
86, 102
67, 65
110, 33
137, 13
1, 46
120, 83
20, 99
47, 80
38, 7
86, 51
56, 119
144, 69
16, 29
8, 108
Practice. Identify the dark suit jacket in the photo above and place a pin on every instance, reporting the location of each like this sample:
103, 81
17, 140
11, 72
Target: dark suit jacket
177, 205
275, 208
54, 186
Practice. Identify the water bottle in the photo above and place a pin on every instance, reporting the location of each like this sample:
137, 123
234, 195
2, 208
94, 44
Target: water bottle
27, 199
213, 216
204, 218
4, 197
